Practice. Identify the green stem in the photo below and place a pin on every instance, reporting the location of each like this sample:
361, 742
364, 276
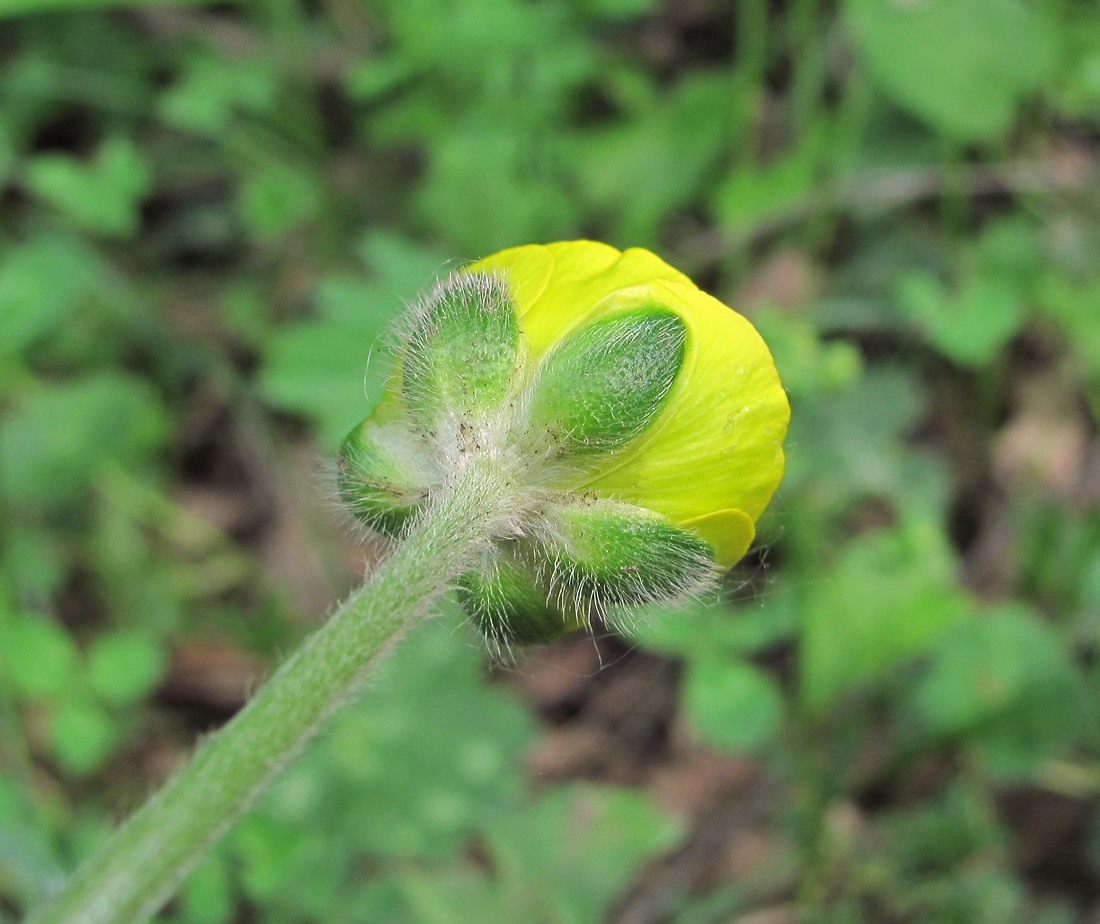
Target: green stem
139, 868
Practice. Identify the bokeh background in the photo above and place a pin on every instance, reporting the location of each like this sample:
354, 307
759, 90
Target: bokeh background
209, 212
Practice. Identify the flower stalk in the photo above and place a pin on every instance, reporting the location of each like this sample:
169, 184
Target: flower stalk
139, 868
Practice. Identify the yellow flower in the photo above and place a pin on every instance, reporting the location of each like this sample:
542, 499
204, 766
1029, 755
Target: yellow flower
641, 420
713, 457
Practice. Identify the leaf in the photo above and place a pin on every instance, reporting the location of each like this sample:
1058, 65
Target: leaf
1005, 683
733, 704
123, 667
705, 628
754, 196
82, 736
331, 367
889, 597
668, 149
277, 197
102, 196
568, 856
22, 7
39, 658
961, 65
214, 90
207, 896
54, 443
807, 364
42, 283
971, 327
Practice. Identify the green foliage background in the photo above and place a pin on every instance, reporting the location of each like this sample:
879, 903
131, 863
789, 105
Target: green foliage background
210, 212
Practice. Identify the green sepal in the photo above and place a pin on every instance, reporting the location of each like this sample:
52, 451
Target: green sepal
463, 353
505, 602
607, 381
382, 475
608, 554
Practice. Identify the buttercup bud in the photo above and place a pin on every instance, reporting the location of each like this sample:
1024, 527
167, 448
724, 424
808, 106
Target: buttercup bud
643, 420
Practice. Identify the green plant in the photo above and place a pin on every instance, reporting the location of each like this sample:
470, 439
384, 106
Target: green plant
209, 211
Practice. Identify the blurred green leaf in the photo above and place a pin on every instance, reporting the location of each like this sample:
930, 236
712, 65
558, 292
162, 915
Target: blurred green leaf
618, 9
82, 735
807, 365
42, 283
669, 150
566, 857
962, 65
56, 440
276, 197
26, 865
331, 367
124, 666
851, 447
22, 7
1006, 682
888, 597
7, 153
706, 628
969, 328
102, 196
207, 896
752, 197
733, 704
562, 859
214, 90
39, 657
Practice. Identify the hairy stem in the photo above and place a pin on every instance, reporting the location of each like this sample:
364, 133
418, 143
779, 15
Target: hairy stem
139, 868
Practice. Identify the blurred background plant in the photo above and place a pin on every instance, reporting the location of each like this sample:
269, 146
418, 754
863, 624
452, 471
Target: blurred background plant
210, 212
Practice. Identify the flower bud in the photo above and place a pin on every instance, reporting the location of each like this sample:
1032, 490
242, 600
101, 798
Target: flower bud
638, 421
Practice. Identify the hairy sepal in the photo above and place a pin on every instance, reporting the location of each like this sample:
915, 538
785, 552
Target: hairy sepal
606, 557
463, 352
508, 604
384, 475
606, 382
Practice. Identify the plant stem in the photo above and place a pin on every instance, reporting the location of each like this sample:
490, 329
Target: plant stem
142, 864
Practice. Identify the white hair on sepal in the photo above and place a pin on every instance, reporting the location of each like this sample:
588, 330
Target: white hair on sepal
490, 288
677, 573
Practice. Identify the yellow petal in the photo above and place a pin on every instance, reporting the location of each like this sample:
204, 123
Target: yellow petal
557, 286
729, 532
